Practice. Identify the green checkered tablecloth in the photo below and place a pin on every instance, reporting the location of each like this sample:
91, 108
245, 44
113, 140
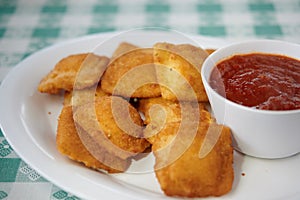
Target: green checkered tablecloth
27, 26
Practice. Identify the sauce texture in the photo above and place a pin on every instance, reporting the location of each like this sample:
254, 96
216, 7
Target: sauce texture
262, 81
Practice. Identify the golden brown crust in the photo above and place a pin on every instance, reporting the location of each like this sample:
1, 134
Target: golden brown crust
98, 121
66, 73
129, 139
132, 75
179, 71
169, 111
191, 176
185, 170
70, 144
81, 97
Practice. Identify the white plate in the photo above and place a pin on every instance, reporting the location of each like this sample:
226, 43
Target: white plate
28, 120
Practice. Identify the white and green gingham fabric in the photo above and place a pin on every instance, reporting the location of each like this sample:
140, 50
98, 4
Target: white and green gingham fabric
27, 26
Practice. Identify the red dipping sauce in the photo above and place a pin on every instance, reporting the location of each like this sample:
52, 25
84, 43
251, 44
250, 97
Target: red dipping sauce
262, 81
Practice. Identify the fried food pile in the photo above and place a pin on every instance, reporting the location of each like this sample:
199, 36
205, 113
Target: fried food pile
143, 100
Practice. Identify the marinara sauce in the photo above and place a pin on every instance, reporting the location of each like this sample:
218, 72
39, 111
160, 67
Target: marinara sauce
262, 81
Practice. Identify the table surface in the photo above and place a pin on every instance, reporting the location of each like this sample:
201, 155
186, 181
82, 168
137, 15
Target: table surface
26, 28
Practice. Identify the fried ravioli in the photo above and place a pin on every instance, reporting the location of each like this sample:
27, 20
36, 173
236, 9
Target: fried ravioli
99, 128
113, 124
70, 144
194, 165
178, 71
132, 75
80, 70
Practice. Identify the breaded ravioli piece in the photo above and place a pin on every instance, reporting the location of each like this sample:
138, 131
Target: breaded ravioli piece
81, 97
114, 125
178, 71
70, 144
79, 70
191, 176
132, 75
194, 164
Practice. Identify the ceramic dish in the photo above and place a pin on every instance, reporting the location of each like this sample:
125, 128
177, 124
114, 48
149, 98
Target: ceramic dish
28, 120
259, 133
